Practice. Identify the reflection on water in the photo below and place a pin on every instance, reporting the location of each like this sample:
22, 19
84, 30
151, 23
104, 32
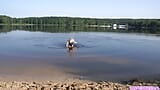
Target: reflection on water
52, 29
71, 52
99, 55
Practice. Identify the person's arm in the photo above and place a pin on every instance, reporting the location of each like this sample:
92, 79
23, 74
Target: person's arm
67, 44
75, 42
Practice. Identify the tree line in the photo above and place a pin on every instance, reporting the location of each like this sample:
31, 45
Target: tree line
78, 21
68, 22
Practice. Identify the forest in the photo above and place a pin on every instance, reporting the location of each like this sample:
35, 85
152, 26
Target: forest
138, 25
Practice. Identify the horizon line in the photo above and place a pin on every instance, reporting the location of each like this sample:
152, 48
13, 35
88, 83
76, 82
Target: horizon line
91, 17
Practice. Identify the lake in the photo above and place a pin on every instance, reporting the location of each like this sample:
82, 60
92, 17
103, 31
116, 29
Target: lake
109, 56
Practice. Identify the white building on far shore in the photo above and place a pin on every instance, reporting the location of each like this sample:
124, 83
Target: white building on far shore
114, 26
120, 26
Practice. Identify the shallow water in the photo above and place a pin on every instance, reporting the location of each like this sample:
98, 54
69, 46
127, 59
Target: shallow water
99, 56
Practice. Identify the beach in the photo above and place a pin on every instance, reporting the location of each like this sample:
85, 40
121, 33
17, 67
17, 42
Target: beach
72, 84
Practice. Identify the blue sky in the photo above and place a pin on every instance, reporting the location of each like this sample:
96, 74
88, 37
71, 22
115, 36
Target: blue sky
82, 8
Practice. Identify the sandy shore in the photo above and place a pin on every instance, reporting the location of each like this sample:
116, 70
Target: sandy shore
66, 85
72, 84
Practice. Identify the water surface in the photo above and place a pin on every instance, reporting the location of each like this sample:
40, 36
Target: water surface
99, 56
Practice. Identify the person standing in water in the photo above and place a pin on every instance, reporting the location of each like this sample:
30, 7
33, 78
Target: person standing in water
71, 43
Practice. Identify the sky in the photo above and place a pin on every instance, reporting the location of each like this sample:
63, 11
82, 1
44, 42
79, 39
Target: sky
81, 8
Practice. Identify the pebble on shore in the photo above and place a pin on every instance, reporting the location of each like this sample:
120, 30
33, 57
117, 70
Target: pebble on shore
73, 85
50, 85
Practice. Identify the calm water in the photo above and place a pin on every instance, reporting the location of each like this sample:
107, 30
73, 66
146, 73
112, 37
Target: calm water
100, 56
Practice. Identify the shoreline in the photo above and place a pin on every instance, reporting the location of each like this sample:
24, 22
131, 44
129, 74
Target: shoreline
70, 84
73, 84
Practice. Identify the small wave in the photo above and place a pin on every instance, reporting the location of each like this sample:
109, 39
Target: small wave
62, 46
39, 45
55, 47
